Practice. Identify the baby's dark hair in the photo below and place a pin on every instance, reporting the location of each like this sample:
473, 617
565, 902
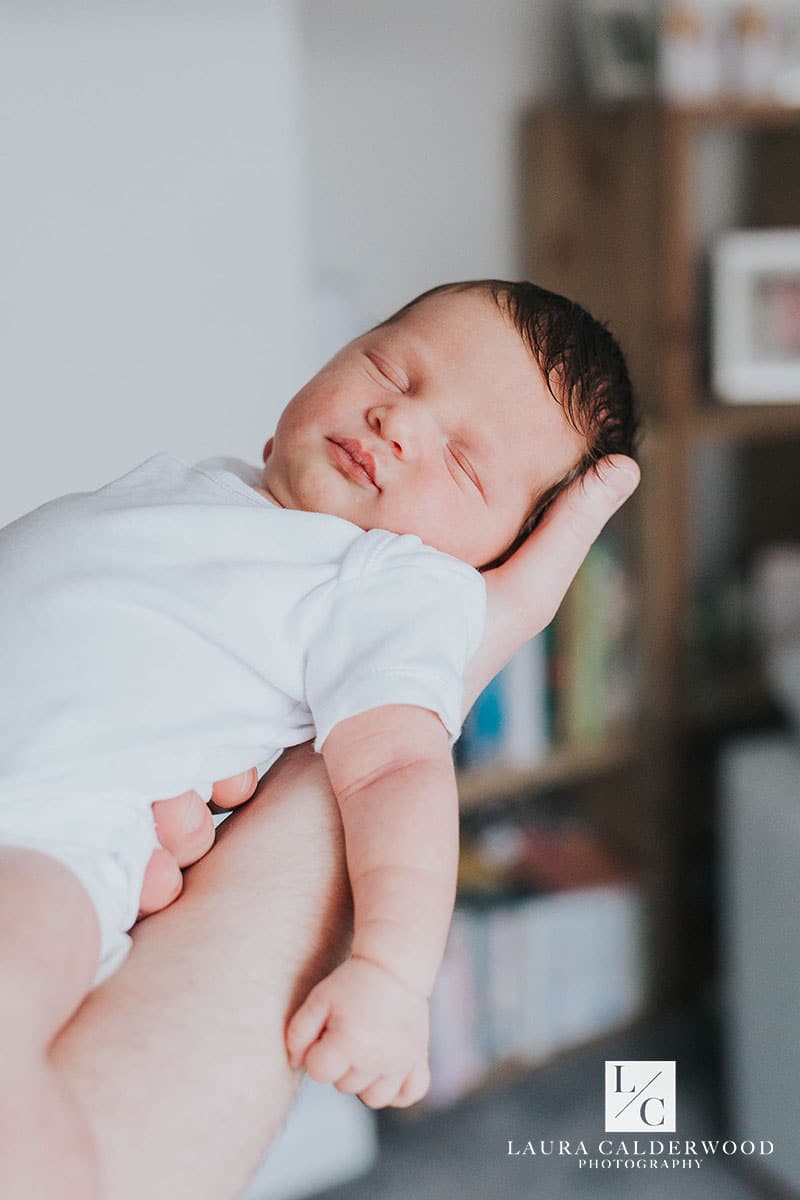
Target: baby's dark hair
582, 364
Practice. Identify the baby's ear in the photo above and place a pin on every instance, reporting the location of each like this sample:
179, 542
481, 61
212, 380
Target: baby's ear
267, 449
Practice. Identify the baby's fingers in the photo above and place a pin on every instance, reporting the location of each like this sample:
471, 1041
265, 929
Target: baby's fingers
382, 1091
305, 1027
354, 1081
415, 1086
326, 1061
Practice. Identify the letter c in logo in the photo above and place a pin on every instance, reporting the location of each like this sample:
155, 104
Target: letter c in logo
643, 1110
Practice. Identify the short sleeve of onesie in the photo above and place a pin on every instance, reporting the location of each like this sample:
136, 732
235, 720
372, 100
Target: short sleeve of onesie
403, 623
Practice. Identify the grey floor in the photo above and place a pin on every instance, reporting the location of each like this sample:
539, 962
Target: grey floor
461, 1154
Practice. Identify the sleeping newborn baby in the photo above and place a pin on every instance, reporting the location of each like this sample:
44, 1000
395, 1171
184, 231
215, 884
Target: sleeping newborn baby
213, 615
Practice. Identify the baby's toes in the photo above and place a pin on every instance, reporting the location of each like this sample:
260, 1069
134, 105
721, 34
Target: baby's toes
382, 1091
325, 1062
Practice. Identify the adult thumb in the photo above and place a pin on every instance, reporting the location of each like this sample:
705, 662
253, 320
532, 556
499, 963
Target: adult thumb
612, 482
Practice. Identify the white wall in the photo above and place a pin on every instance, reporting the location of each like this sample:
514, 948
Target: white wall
413, 112
154, 207
152, 235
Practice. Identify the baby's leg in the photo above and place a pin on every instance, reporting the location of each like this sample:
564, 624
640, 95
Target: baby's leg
189, 1036
49, 950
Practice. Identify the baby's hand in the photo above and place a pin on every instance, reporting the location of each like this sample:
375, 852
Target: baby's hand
366, 1032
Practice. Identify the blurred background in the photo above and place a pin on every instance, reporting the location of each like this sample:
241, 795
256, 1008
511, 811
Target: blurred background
200, 203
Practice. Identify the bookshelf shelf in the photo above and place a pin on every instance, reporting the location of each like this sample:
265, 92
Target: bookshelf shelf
730, 423
729, 697
741, 114
486, 787
712, 423
616, 209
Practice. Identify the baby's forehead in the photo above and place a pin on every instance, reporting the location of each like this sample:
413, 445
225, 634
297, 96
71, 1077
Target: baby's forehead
466, 328
461, 309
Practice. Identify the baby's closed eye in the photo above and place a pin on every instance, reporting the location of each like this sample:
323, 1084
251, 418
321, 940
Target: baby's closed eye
464, 467
390, 374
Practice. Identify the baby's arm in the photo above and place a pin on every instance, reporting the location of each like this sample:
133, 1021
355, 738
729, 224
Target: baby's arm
365, 1027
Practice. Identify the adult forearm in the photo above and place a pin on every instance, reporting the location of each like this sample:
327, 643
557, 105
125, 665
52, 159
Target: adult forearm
179, 1059
524, 593
508, 625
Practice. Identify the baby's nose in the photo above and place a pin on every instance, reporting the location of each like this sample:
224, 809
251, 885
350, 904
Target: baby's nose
400, 427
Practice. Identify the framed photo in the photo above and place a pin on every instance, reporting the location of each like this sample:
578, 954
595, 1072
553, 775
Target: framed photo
787, 76
755, 300
616, 43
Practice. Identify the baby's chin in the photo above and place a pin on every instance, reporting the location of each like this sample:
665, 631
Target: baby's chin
310, 494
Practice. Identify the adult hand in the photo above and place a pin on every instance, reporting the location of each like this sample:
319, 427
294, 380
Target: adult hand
524, 593
186, 832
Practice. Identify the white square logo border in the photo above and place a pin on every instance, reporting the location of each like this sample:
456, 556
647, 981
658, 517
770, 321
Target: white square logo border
640, 1096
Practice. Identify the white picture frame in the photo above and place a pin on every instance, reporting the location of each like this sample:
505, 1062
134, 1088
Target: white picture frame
755, 317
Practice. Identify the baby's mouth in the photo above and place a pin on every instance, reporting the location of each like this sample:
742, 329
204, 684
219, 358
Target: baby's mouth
356, 462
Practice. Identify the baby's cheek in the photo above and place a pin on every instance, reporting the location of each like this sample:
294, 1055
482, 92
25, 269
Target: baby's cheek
460, 533
317, 490
429, 516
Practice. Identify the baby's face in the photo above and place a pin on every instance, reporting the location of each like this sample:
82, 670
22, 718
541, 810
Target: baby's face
440, 424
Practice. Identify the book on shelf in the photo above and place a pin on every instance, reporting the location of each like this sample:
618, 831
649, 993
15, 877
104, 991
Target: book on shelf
458, 1057
593, 664
535, 963
573, 685
509, 721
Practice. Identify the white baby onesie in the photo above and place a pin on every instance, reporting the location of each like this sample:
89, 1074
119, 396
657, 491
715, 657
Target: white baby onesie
176, 627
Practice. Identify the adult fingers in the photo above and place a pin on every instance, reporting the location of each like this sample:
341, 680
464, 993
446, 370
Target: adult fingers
229, 793
533, 582
523, 595
163, 883
184, 827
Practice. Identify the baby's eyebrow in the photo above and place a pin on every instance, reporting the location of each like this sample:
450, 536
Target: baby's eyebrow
481, 444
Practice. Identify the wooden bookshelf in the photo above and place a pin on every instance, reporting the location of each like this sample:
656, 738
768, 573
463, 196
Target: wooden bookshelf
731, 423
740, 114
489, 786
611, 219
731, 697
610, 195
